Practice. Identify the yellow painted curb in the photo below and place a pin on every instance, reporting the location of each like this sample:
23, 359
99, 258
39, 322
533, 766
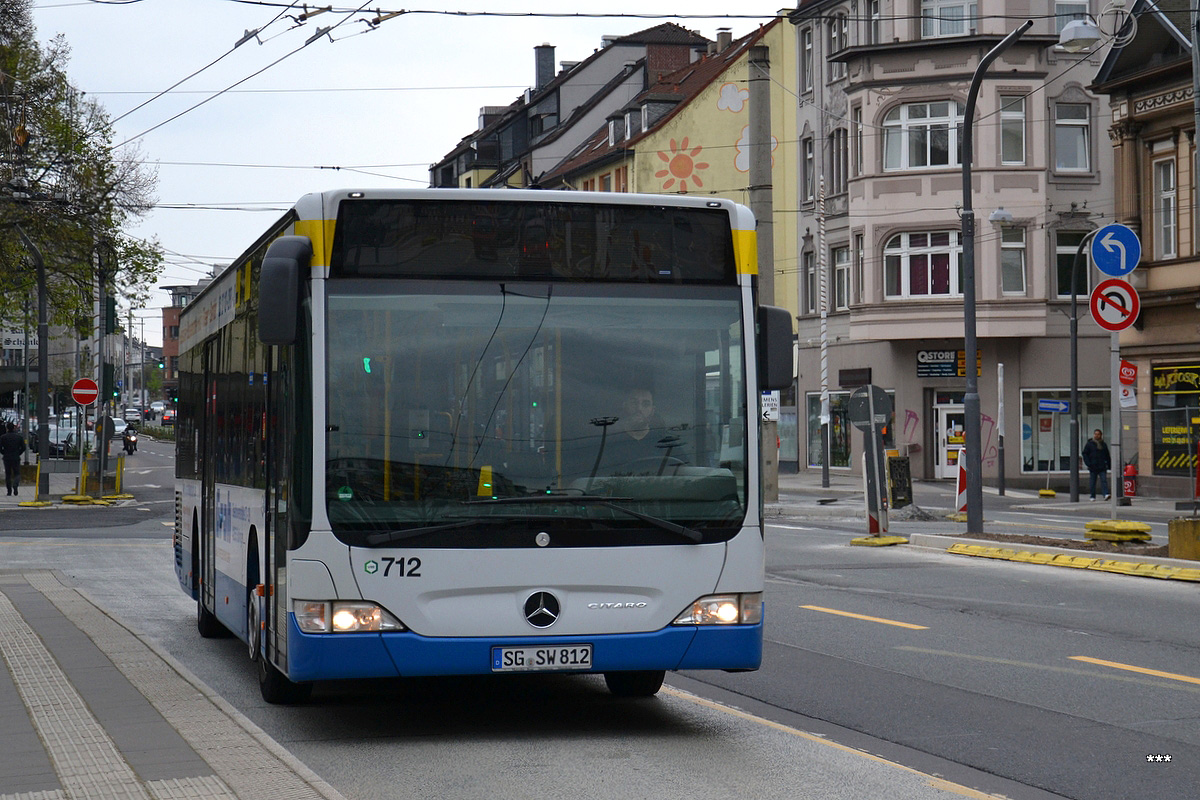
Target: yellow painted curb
77, 498
1134, 568
957, 516
123, 496
879, 541
35, 504
1047, 493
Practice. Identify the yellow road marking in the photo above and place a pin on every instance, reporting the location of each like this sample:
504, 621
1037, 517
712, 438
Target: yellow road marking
869, 619
933, 781
1142, 670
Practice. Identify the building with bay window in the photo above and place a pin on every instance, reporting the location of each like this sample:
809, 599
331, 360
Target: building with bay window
1150, 89
881, 118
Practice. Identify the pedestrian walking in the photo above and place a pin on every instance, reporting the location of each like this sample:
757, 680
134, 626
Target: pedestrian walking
1098, 462
12, 446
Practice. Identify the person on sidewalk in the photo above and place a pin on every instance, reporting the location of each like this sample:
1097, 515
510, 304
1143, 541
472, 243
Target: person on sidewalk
12, 445
1098, 462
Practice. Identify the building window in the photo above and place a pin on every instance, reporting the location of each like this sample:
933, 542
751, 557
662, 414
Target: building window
806, 59
1067, 10
838, 32
1071, 137
859, 265
921, 135
1046, 447
1164, 208
923, 265
1012, 261
809, 170
841, 278
947, 18
606, 182
874, 23
856, 120
839, 152
1012, 130
1067, 243
809, 266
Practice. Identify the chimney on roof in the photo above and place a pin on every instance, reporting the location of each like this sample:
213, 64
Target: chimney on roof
724, 39
543, 62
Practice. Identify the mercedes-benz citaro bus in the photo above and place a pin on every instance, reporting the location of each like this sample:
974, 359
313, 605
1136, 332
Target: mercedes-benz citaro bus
459, 432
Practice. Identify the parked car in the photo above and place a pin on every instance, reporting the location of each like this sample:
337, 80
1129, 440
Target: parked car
168, 416
119, 426
157, 408
133, 415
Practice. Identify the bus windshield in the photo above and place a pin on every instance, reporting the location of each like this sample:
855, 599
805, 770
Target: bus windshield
489, 414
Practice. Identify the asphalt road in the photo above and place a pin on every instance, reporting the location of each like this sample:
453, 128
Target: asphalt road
1018, 681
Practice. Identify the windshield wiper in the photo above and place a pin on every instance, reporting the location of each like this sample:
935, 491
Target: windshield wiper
390, 537
598, 500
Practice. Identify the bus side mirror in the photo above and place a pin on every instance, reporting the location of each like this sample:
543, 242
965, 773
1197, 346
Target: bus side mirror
279, 289
774, 348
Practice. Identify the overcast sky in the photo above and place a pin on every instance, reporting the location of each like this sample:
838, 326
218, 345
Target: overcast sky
379, 102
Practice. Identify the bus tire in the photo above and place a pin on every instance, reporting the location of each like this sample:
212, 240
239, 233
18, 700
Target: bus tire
642, 683
207, 623
277, 689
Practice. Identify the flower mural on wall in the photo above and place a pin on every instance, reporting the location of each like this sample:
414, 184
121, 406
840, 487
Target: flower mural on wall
682, 166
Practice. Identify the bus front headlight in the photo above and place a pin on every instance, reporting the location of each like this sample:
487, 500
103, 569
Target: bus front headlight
723, 609
343, 616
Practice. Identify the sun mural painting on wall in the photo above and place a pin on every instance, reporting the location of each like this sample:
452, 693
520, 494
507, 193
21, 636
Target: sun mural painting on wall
682, 166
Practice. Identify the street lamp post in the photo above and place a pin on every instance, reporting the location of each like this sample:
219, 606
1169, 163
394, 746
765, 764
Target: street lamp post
974, 439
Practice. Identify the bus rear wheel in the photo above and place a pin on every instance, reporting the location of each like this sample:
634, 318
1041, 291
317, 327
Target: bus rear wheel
642, 683
277, 689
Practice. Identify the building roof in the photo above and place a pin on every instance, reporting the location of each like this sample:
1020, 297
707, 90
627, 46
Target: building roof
679, 87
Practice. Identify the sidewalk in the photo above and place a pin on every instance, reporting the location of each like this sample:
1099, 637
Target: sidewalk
89, 709
61, 484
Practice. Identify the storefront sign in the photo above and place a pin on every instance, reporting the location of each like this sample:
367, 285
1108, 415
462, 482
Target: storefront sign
946, 363
1128, 374
1175, 398
854, 378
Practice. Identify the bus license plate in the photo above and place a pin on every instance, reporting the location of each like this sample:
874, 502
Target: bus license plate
542, 658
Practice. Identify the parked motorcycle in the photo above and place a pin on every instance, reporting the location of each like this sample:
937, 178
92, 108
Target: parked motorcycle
129, 440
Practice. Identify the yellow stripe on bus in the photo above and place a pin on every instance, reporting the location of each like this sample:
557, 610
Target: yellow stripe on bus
320, 233
745, 252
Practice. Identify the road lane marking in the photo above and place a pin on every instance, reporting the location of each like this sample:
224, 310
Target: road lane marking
1008, 662
1142, 670
880, 620
934, 781
790, 527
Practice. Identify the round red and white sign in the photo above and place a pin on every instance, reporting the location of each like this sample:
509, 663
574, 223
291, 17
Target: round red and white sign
84, 391
1115, 304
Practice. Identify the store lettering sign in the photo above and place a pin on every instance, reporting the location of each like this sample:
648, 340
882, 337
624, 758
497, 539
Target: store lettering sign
945, 363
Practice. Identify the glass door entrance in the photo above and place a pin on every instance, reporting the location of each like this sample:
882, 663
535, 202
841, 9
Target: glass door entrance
950, 436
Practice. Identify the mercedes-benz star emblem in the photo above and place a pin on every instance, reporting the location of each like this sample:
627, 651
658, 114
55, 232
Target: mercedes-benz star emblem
541, 609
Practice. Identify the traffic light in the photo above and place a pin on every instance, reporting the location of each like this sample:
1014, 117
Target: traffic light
108, 381
110, 315
161, 364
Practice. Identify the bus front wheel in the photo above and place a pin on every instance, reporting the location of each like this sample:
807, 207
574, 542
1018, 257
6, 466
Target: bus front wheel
207, 623
643, 683
276, 688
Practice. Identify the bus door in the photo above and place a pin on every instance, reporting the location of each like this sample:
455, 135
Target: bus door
208, 540
279, 443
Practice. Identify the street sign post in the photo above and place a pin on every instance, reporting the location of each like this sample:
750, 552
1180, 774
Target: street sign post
1115, 304
1116, 250
84, 391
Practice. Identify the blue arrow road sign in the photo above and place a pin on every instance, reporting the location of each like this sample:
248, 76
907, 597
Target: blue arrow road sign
1116, 250
1062, 406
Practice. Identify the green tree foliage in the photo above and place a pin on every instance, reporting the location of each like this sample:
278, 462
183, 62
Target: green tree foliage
62, 181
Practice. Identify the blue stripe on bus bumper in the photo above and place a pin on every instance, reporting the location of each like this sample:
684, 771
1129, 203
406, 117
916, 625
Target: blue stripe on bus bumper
337, 656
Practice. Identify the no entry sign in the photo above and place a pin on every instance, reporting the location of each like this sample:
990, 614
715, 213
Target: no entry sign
84, 391
1115, 304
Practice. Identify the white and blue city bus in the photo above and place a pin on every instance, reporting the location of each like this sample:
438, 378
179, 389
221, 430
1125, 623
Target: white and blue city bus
455, 432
